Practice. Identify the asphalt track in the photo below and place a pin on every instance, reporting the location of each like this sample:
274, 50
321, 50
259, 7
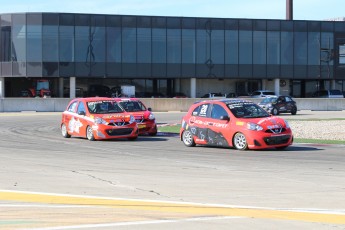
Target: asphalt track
48, 182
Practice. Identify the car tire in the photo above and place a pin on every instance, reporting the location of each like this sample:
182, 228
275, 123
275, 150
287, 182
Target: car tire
154, 133
64, 131
240, 141
294, 111
275, 111
89, 134
187, 138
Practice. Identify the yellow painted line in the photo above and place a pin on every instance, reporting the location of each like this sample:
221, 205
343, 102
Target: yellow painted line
197, 209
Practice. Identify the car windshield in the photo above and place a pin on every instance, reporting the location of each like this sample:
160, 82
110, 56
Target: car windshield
133, 106
247, 110
269, 100
102, 107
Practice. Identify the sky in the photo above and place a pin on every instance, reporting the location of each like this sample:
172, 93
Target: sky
255, 9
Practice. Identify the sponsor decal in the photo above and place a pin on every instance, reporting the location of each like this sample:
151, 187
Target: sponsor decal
240, 123
74, 125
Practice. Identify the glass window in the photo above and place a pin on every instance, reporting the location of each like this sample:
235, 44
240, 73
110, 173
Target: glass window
113, 44
34, 43
72, 107
259, 49
231, 47
66, 43
217, 46
82, 44
313, 48
174, 46
188, 46
201, 110
81, 107
342, 54
300, 48
203, 38
50, 43
129, 46
144, 45
286, 48
246, 47
18, 38
218, 111
97, 44
159, 45
273, 47
327, 49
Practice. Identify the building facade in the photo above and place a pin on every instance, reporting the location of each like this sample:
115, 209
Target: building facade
165, 55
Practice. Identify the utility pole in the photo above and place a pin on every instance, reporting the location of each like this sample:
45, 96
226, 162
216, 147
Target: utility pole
289, 9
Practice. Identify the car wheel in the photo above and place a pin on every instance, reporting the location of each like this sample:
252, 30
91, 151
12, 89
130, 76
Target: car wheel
187, 138
240, 141
294, 111
154, 133
64, 131
275, 111
89, 134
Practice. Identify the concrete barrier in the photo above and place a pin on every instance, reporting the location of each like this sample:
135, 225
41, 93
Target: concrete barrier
157, 104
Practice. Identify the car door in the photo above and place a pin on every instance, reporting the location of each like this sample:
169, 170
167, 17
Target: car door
217, 125
198, 123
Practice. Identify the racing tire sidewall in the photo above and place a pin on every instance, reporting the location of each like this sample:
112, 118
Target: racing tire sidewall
240, 141
187, 138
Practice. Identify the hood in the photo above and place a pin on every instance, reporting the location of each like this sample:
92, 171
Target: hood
271, 122
110, 118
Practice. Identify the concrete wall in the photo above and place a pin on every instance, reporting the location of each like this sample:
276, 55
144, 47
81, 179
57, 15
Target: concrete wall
157, 104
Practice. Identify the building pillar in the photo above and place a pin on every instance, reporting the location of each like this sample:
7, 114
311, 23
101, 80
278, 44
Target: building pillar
72, 87
277, 86
61, 89
177, 85
193, 87
332, 84
2, 87
263, 84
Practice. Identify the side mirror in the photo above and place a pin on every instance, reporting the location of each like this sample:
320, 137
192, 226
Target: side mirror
149, 109
225, 118
82, 113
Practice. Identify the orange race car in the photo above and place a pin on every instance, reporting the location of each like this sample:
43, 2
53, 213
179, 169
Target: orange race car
97, 118
143, 116
234, 123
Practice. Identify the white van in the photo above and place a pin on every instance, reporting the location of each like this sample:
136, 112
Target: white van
334, 93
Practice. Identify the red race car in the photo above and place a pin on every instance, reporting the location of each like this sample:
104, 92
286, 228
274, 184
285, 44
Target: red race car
143, 116
234, 123
97, 118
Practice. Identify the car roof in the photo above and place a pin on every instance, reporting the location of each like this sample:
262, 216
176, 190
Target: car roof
88, 99
227, 101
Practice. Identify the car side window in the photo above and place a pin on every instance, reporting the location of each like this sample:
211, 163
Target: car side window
81, 108
201, 110
72, 107
218, 111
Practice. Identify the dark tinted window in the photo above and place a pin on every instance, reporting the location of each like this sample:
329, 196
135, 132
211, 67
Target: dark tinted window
218, 111
201, 110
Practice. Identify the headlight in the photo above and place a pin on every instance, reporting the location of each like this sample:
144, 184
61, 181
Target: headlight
99, 120
287, 124
131, 119
253, 126
151, 116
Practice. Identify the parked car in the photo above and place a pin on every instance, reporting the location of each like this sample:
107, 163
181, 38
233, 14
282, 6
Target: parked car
179, 95
279, 104
143, 116
213, 95
262, 93
97, 118
334, 93
234, 123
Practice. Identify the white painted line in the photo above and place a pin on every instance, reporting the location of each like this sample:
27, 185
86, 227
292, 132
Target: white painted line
138, 223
